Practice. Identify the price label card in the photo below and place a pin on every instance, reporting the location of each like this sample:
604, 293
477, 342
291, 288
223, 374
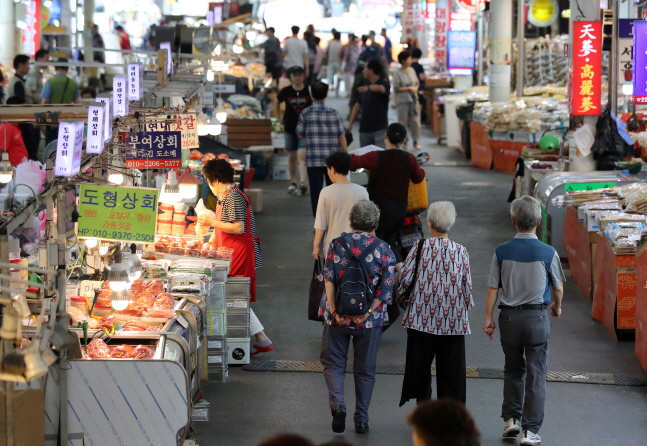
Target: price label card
118, 213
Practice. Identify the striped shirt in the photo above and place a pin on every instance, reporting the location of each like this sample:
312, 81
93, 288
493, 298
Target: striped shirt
321, 126
235, 209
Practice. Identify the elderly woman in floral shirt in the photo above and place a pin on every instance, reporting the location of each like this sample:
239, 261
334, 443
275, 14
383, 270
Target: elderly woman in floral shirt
365, 330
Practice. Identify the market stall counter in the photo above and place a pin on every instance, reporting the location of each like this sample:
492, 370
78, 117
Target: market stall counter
641, 306
481, 153
580, 247
614, 295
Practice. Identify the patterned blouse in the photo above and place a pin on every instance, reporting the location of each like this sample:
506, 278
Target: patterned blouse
443, 292
381, 267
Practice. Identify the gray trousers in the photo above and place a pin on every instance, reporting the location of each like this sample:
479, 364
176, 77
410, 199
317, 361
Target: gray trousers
375, 138
525, 335
334, 356
411, 122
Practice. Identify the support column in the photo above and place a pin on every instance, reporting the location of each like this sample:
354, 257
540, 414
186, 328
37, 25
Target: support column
521, 47
500, 50
8, 32
88, 17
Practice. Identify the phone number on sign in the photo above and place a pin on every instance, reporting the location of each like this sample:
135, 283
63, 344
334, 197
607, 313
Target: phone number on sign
116, 235
153, 164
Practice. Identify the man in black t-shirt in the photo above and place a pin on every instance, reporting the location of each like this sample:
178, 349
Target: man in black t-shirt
296, 98
373, 100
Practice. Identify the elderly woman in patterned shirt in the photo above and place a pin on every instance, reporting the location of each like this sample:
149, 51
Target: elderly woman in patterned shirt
364, 330
436, 316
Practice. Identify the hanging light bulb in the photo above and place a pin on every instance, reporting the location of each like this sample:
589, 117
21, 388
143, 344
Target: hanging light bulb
91, 242
250, 35
237, 49
6, 169
136, 271
210, 76
119, 299
214, 127
188, 184
170, 190
116, 178
118, 276
202, 125
103, 249
127, 260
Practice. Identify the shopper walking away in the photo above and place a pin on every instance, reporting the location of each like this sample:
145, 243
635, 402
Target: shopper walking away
525, 271
97, 42
61, 89
388, 47
373, 100
324, 133
235, 227
381, 55
297, 98
272, 56
17, 85
335, 202
366, 53
349, 63
416, 54
443, 422
390, 172
295, 53
124, 38
405, 86
34, 79
319, 57
436, 316
333, 56
376, 258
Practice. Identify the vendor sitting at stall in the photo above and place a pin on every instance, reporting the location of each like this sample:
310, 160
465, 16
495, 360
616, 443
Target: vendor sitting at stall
235, 228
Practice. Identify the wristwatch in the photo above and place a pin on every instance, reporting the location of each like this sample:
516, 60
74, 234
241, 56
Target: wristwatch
370, 311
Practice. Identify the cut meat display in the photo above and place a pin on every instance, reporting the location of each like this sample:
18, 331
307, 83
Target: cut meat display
122, 351
98, 349
142, 352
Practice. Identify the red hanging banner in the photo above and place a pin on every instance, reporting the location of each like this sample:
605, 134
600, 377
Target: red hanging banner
586, 90
31, 32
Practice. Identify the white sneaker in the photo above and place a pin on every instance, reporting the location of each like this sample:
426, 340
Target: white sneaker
292, 189
512, 428
530, 439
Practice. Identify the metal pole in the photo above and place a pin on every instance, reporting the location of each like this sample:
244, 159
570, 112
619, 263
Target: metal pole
613, 57
500, 50
521, 46
480, 23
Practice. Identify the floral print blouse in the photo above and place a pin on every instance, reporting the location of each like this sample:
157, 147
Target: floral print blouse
443, 291
381, 267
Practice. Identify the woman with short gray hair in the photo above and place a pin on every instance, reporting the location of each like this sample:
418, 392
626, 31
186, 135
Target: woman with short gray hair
351, 257
436, 315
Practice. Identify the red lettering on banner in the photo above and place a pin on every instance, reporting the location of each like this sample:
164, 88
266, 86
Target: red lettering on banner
586, 91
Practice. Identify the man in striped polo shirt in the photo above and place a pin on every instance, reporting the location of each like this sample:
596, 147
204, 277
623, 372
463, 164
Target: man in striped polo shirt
525, 271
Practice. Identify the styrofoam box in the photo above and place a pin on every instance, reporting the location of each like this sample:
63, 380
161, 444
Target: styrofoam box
216, 344
218, 374
237, 318
216, 297
239, 351
238, 286
237, 331
216, 322
237, 304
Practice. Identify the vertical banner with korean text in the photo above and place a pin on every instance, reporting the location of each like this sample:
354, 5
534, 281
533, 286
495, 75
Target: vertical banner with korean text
586, 93
442, 26
625, 48
32, 30
640, 62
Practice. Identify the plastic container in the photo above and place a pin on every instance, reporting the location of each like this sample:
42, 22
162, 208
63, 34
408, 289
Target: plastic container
100, 311
178, 207
218, 374
237, 331
237, 304
164, 227
166, 212
239, 351
178, 228
179, 217
224, 253
80, 303
216, 323
237, 319
216, 344
216, 297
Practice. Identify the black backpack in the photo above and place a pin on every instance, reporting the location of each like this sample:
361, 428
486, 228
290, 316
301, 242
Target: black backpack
355, 292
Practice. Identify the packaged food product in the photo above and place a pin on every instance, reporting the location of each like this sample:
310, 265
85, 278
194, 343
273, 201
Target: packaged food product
160, 312
155, 287
98, 349
179, 217
122, 351
164, 300
80, 303
164, 227
101, 310
135, 326
130, 310
178, 227
166, 211
138, 286
107, 322
142, 352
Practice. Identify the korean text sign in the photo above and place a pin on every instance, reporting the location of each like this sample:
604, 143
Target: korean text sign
586, 94
153, 150
462, 48
96, 131
185, 123
135, 81
640, 62
69, 147
120, 95
442, 26
625, 47
107, 129
118, 213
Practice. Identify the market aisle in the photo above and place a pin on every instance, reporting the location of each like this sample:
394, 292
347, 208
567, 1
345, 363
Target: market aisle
253, 405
